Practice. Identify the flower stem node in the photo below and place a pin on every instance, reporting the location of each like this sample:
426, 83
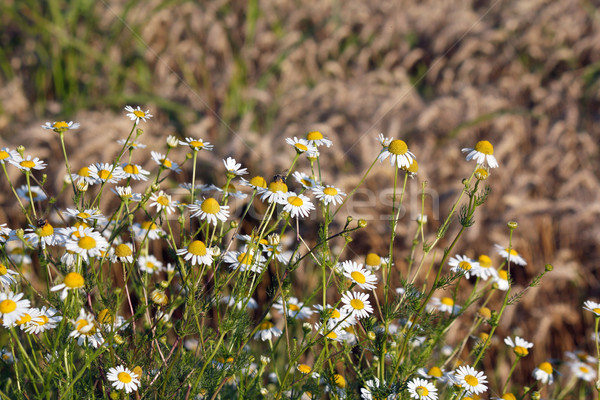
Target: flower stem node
512, 225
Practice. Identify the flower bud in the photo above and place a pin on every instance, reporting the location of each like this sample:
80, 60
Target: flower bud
172, 141
118, 339
549, 267
362, 223
274, 239
512, 225
21, 150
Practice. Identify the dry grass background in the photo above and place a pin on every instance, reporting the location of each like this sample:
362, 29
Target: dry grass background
439, 74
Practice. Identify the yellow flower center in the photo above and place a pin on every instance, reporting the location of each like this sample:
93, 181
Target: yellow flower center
210, 206
159, 297
484, 147
596, 310
104, 317
485, 261
422, 390
166, 163
85, 327
148, 225
197, 144
330, 191
502, 274
24, 319
447, 301
131, 169
59, 125
357, 304
47, 230
435, 371
465, 265
197, 248
73, 280
85, 172
512, 252
123, 250
7, 306
584, 369
339, 381
332, 335
246, 258
258, 181
481, 174
335, 314
3, 270
485, 312
301, 147
265, 325
43, 320
304, 369
4, 155
398, 147
163, 200
83, 215
508, 396
358, 277
471, 380
295, 201
277, 186
124, 376
414, 167
87, 243
150, 266
139, 113
27, 164
104, 174
137, 370
373, 260
314, 135
293, 307
521, 351
546, 367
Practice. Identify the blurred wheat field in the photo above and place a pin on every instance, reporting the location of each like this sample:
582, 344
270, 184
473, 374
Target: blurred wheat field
439, 74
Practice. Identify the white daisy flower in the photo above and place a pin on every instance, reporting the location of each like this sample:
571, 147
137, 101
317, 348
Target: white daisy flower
37, 193
149, 264
267, 331
501, 280
331, 332
421, 389
433, 372
582, 356
7, 154
72, 281
135, 172
233, 167
486, 269
209, 209
47, 319
317, 139
196, 253
398, 152
88, 215
86, 330
123, 252
6, 276
86, 243
294, 308
470, 379
306, 181
196, 144
583, 371
45, 235
7, 356
27, 164
276, 192
162, 201
335, 318
12, 308
123, 379
245, 260
125, 193
61, 126
84, 176
298, 205
445, 304
165, 162
519, 345
373, 262
482, 153
357, 304
32, 314
329, 194
276, 252
257, 182
105, 172
512, 254
147, 229
137, 115
462, 264
543, 373
301, 145
361, 276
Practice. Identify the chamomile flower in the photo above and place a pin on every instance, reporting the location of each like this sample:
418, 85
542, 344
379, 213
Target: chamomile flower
83, 176
210, 210
123, 252
486, 269
7, 276
501, 280
7, 356
375, 389
245, 260
137, 114
360, 276
512, 255
257, 182
412, 169
398, 152
27, 164
37, 193
276, 252
7, 154
44, 235
32, 314
72, 281
331, 332
61, 126
421, 389
147, 229
298, 205
583, 371
12, 308
445, 304
294, 308
543, 373
159, 297
88, 215
163, 201
373, 262
335, 317
196, 144
329, 194
164, 162
105, 172
357, 304
196, 253
300, 145
592, 306
482, 153
86, 330
233, 167
582, 356
135, 172
433, 372
520, 346
462, 264
47, 319
149, 264
317, 139
470, 379
86, 243
306, 181
123, 379
267, 331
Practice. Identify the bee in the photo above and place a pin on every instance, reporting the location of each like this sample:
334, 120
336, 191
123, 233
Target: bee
281, 177
42, 222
